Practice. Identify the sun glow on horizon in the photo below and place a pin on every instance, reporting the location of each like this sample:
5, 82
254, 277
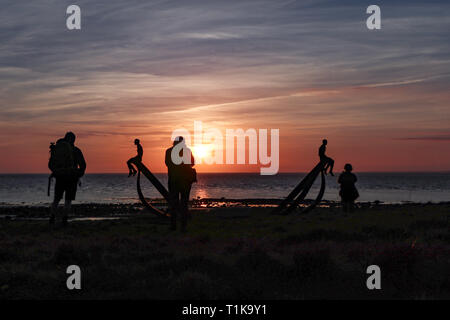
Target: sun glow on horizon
201, 151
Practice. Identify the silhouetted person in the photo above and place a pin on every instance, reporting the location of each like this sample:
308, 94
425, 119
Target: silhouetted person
68, 166
348, 191
138, 158
181, 176
329, 163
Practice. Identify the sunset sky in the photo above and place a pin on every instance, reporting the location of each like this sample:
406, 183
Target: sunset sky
312, 69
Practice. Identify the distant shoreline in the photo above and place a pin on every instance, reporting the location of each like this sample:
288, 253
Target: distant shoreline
195, 204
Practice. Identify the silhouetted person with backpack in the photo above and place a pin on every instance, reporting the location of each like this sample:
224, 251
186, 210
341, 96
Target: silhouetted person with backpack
329, 163
138, 158
68, 166
348, 191
181, 176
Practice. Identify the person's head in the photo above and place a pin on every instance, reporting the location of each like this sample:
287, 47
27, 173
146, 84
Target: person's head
324, 141
178, 140
137, 141
348, 167
70, 137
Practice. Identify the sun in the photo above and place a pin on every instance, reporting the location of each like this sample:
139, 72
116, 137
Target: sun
201, 151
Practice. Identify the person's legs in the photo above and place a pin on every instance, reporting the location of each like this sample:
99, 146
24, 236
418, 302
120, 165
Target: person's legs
184, 210
59, 192
131, 169
54, 210
347, 206
325, 163
66, 211
351, 206
71, 191
175, 210
173, 205
331, 165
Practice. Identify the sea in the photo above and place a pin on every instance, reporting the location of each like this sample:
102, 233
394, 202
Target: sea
31, 189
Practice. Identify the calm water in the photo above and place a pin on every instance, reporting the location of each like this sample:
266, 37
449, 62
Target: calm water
117, 188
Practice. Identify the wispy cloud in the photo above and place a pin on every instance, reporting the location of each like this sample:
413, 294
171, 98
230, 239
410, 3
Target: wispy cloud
160, 63
444, 138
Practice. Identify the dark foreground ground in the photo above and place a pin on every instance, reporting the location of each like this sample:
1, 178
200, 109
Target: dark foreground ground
239, 252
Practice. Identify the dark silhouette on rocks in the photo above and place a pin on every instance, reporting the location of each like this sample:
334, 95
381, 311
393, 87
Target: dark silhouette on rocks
140, 153
327, 161
348, 191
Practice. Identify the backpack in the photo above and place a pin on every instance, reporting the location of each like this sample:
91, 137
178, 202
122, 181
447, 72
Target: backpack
61, 160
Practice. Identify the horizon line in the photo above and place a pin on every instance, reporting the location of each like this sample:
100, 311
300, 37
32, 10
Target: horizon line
234, 172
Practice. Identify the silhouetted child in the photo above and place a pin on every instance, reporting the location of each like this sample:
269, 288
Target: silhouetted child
138, 158
329, 163
348, 191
